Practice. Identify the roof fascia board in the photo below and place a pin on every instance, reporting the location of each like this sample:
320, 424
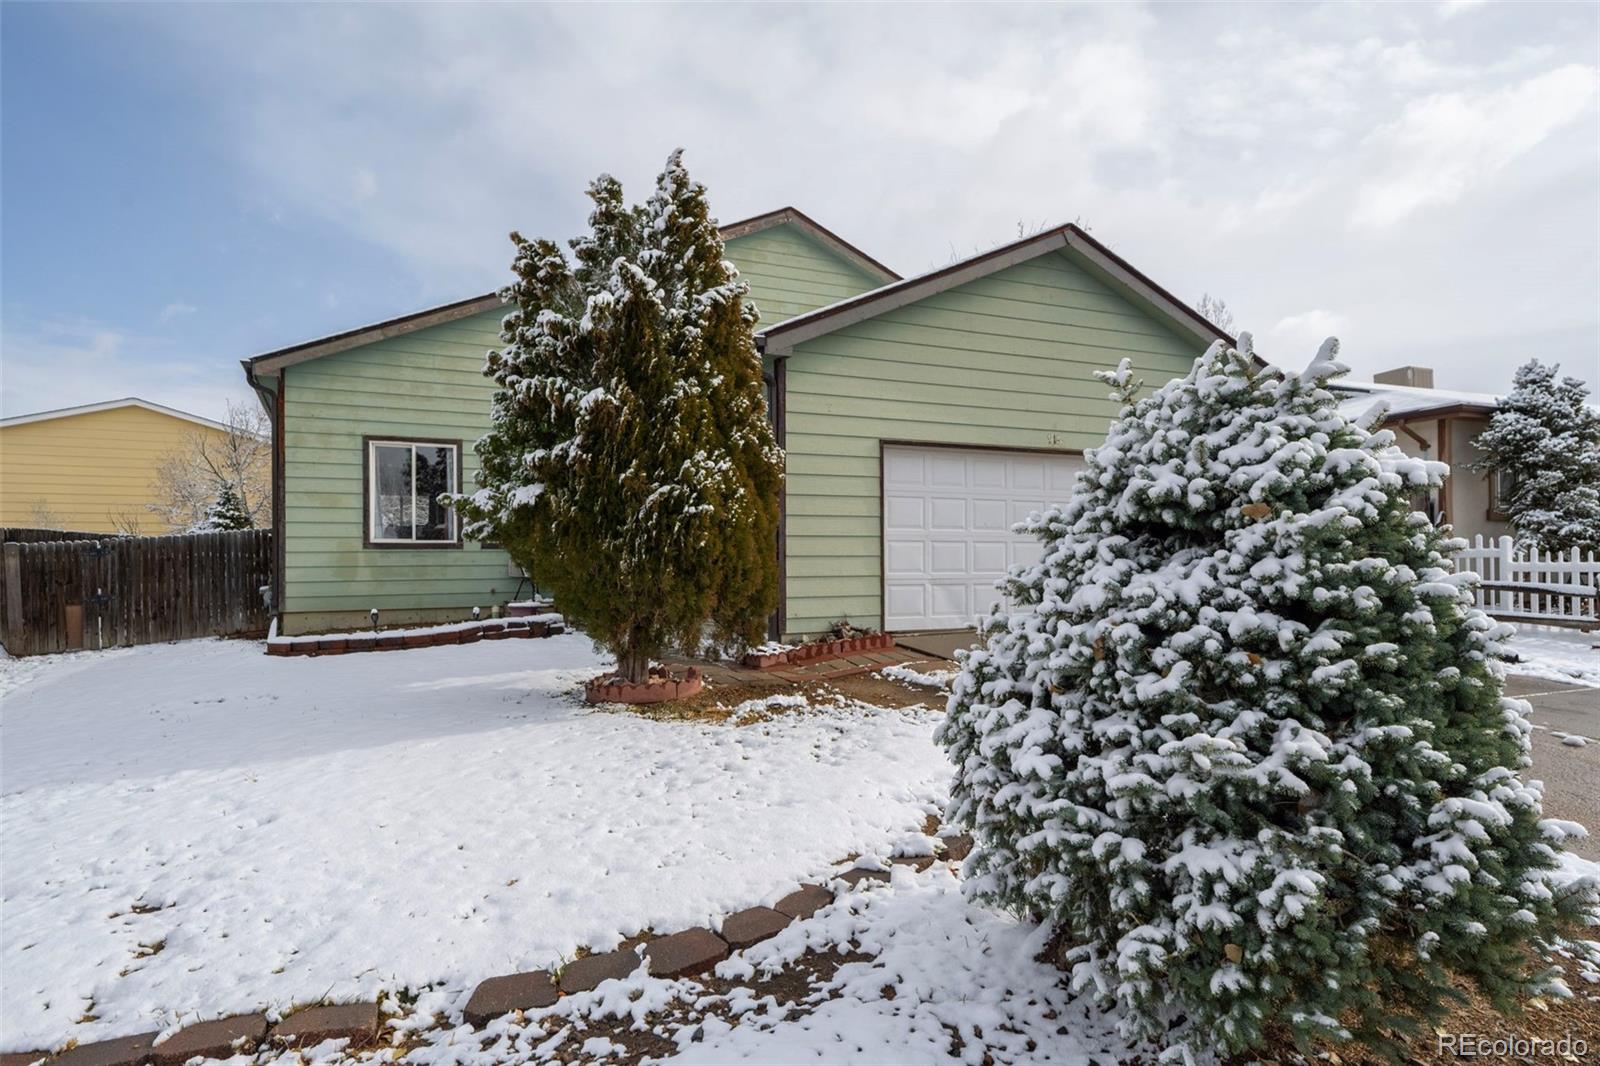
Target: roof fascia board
1114, 265
827, 238
109, 405
268, 364
782, 338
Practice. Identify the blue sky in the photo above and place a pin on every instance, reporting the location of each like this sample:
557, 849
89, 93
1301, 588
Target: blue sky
187, 185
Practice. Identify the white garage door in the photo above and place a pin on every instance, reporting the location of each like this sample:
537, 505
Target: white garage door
947, 518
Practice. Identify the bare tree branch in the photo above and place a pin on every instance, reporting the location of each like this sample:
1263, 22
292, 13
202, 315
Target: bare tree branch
188, 479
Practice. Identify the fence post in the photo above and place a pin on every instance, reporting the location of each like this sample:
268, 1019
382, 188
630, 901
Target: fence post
14, 628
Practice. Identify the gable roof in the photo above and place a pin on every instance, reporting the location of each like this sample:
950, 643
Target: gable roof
110, 405
782, 337
268, 364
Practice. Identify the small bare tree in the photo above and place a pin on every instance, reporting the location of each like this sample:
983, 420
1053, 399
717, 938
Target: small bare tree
43, 516
1215, 311
189, 479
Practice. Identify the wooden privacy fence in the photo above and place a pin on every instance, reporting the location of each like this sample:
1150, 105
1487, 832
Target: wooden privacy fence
1549, 587
63, 595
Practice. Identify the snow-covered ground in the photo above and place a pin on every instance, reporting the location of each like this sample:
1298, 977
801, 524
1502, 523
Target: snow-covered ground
202, 828
1557, 654
947, 983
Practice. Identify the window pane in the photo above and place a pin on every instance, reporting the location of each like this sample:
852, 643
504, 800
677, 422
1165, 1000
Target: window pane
436, 473
391, 492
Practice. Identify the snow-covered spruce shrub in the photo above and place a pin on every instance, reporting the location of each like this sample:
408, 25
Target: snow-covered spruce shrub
227, 512
630, 466
1546, 437
1239, 736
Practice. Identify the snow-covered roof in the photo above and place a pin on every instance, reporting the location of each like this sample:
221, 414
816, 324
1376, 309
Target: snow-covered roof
110, 405
1408, 401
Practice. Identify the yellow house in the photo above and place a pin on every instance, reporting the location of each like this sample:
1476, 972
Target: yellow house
93, 468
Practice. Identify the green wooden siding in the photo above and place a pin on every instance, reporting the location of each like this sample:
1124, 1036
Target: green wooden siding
789, 273
1004, 361
429, 384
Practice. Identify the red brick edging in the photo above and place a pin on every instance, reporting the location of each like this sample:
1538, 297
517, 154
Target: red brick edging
680, 954
660, 688
491, 629
827, 649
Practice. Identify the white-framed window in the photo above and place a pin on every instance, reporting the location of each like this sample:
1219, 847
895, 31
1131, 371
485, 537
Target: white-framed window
404, 480
1502, 486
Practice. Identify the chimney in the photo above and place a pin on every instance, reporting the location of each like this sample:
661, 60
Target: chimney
1416, 377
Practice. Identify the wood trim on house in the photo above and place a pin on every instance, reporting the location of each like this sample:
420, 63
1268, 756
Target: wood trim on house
780, 421
367, 442
280, 458
1446, 497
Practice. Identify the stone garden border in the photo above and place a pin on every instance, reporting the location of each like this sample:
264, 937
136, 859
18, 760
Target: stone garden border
423, 637
680, 954
815, 652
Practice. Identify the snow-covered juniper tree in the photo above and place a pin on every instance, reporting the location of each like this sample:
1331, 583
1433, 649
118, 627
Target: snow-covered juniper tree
1239, 738
227, 512
1544, 443
630, 464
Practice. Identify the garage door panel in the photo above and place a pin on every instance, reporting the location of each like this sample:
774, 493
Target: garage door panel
1027, 474
948, 515
989, 516
903, 467
907, 601
906, 557
949, 600
947, 469
989, 557
989, 472
905, 512
948, 557
947, 512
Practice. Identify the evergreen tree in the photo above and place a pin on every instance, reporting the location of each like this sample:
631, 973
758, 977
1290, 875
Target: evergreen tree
1544, 444
226, 512
1239, 736
630, 465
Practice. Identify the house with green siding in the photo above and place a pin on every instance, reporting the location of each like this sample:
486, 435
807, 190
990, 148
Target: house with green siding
921, 418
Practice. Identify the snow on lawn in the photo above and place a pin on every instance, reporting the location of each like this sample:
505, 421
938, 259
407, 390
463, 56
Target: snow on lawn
939, 967
198, 829
1556, 654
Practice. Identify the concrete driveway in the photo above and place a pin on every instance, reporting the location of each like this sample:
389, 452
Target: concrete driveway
1571, 774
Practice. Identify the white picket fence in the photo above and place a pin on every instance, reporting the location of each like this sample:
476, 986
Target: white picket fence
1552, 588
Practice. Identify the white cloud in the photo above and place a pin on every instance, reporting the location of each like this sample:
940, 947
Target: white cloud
1294, 339
1221, 150
63, 363
177, 309
1445, 143
1449, 9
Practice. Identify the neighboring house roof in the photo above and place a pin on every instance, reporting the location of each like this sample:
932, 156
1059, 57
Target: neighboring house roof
110, 405
1407, 402
268, 364
785, 335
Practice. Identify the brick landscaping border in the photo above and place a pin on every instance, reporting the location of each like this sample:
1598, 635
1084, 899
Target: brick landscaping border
681, 954
661, 687
465, 633
816, 652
